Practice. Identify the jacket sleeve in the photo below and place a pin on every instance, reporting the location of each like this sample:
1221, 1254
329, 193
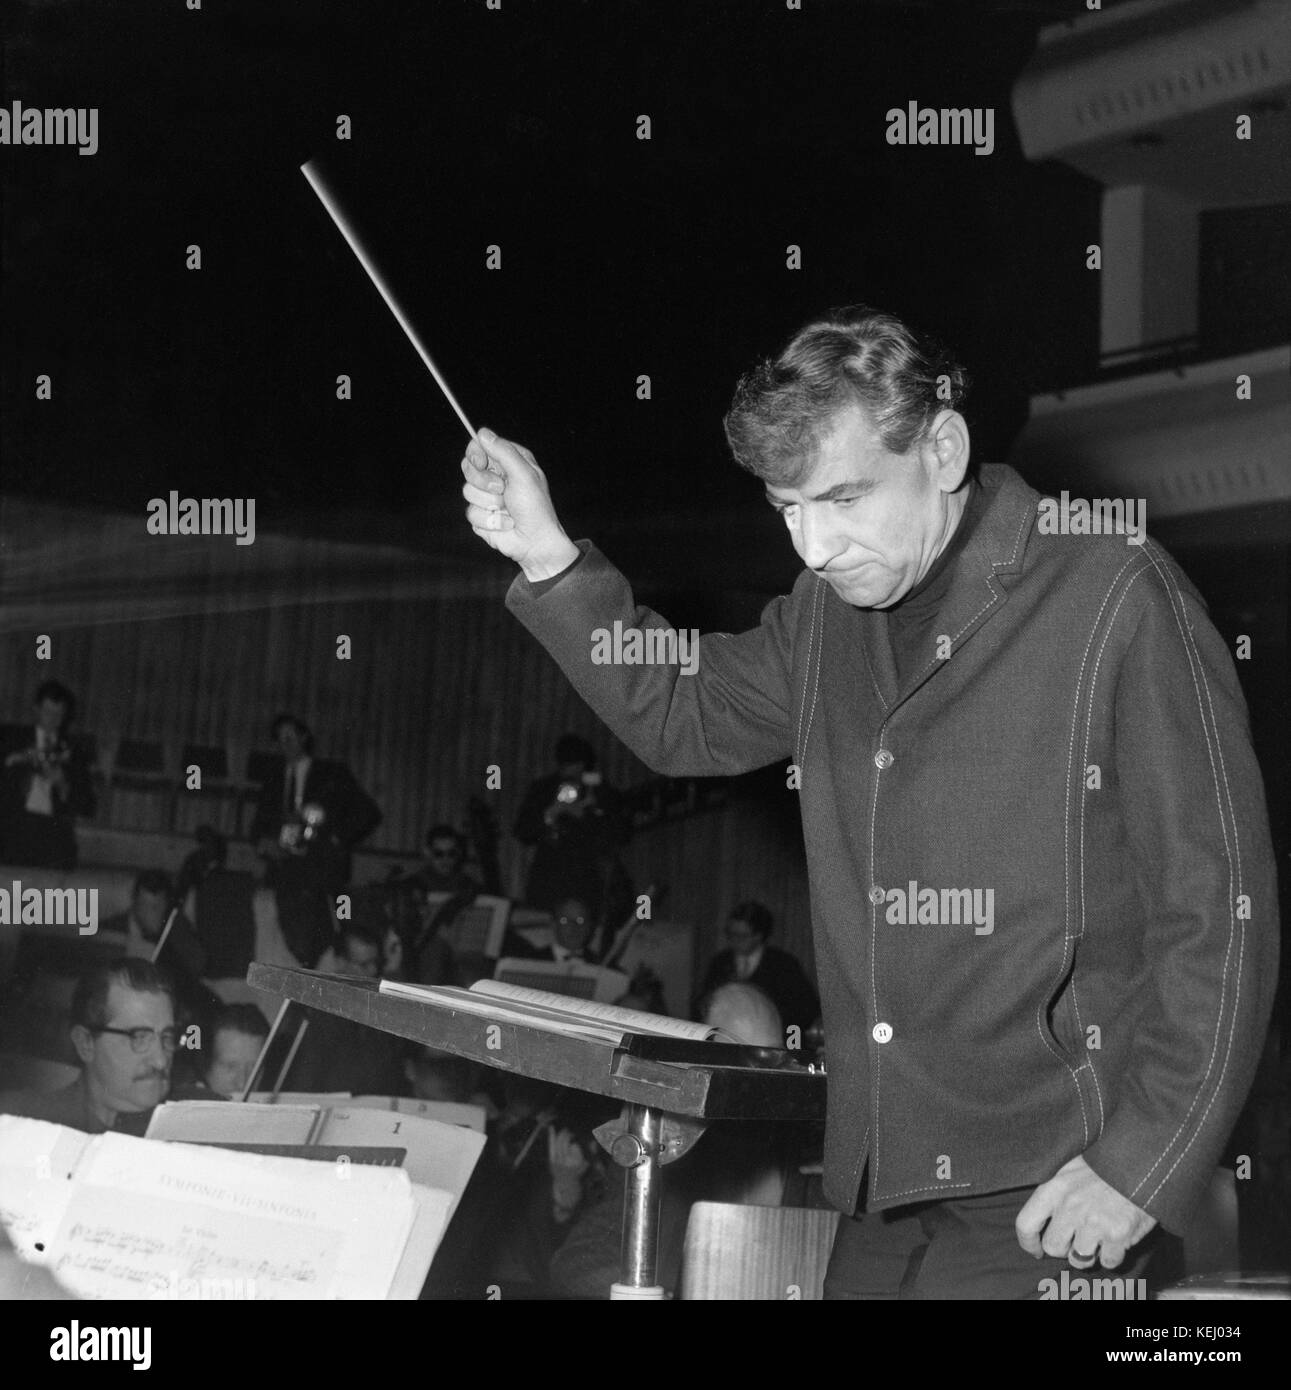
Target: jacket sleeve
1195, 816
733, 714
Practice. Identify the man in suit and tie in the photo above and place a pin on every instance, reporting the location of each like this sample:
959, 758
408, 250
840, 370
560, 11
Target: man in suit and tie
749, 959
44, 785
312, 813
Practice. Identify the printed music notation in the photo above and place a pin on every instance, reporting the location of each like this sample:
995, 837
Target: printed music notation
132, 1247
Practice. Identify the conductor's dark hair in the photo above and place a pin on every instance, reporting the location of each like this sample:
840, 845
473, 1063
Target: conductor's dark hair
303, 729
572, 748
757, 916
89, 1006
240, 1018
152, 881
784, 406
60, 694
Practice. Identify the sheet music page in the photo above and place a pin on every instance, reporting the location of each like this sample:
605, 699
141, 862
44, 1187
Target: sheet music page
447, 1112
434, 1211
145, 1217
440, 1161
439, 1155
627, 1020
607, 985
555, 1013
36, 1163
318, 1098
229, 1122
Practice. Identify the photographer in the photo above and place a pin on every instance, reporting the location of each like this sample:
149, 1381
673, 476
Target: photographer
574, 820
44, 785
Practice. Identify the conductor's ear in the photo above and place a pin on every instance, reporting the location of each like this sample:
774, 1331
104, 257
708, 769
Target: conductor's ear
948, 441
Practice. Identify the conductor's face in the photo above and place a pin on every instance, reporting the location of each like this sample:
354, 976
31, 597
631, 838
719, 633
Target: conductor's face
872, 522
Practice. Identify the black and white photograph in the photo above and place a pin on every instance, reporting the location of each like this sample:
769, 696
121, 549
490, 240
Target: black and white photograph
644, 657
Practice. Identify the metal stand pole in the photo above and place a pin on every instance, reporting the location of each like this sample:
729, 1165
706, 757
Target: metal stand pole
638, 1151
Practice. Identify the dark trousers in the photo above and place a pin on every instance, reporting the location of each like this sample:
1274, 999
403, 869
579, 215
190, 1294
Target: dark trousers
966, 1248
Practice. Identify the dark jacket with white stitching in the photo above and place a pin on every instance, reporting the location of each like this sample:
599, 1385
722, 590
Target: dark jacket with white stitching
1079, 748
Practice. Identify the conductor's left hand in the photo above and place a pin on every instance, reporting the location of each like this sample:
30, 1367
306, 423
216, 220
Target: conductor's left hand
1078, 1216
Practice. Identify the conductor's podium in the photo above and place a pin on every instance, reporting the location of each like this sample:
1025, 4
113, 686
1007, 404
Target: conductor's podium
669, 1089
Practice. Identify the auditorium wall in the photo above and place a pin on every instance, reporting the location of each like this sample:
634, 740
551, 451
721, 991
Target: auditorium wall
194, 639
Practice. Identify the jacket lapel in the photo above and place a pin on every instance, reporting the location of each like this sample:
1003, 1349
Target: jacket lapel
980, 589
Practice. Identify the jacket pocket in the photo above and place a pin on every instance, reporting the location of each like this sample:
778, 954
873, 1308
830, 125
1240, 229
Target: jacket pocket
1064, 1026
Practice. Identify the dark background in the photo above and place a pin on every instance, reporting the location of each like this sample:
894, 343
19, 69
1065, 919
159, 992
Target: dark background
517, 128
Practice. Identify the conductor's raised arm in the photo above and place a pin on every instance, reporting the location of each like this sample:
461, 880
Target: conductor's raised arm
686, 705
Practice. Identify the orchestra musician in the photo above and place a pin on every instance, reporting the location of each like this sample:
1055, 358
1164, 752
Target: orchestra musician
311, 814
44, 785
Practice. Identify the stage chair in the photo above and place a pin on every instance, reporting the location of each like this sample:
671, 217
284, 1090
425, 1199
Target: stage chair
140, 789
262, 764
746, 1252
217, 802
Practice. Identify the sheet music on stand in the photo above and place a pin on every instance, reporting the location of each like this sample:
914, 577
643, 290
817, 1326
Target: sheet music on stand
438, 1158
667, 1099
138, 1218
478, 928
575, 978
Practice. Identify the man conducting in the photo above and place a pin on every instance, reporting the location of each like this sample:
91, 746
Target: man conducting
1042, 884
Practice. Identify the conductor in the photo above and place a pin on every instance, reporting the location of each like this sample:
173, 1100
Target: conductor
1042, 882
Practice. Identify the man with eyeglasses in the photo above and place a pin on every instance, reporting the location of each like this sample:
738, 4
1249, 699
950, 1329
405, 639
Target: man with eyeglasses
123, 1029
442, 871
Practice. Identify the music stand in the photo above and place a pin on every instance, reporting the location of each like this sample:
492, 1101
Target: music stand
669, 1089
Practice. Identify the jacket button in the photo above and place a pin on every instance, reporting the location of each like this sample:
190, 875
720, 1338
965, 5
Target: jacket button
882, 1032
884, 758
877, 895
